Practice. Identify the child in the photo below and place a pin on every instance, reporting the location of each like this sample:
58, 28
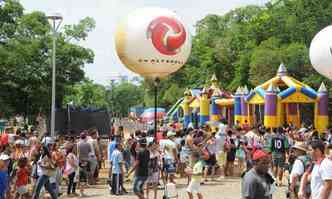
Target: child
22, 178
196, 173
240, 154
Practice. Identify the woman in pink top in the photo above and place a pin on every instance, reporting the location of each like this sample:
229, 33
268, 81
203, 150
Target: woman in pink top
71, 170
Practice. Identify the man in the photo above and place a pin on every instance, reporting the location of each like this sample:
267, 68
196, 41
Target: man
278, 147
300, 165
111, 147
93, 155
117, 170
168, 146
141, 168
321, 175
83, 151
257, 181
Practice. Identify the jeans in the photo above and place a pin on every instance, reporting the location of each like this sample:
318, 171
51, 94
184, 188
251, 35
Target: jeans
43, 181
117, 183
71, 184
139, 183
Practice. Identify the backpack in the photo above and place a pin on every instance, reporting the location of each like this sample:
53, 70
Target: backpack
306, 164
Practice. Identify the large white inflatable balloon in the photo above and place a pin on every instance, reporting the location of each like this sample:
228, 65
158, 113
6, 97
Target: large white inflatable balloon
321, 52
153, 42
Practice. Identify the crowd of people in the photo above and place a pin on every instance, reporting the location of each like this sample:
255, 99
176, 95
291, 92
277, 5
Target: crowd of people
32, 166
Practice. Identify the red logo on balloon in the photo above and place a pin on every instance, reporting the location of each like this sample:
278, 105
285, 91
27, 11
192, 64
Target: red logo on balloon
167, 35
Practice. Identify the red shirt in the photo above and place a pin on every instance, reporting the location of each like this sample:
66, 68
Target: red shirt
22, 177
159, 136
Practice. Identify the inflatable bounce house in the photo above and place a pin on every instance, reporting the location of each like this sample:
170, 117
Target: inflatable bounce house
279, 101
199, 106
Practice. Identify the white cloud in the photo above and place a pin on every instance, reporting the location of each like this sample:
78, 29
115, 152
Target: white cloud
108, 13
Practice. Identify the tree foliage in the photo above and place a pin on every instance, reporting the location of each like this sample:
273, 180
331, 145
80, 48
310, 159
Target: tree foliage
246, 45
25, 59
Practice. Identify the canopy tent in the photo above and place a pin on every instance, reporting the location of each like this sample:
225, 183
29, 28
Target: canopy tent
148, 114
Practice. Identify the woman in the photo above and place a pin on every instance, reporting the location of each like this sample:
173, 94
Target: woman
154, 169
46, 168
231, 153
71, 168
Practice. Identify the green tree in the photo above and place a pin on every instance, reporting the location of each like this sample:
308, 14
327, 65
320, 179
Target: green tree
87, 94
25, 52
124, 95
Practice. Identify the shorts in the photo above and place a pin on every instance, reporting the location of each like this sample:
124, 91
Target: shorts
139, 184
278, 161
221, 158
212, 161
169, 166
84, 174
193, 187
231, 156
93, 163
22, 190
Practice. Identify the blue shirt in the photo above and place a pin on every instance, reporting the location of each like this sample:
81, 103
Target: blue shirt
3, 182
111, 148
116, 160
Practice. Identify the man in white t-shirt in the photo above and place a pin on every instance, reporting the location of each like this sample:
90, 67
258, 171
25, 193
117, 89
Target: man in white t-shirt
168, 147
321, 175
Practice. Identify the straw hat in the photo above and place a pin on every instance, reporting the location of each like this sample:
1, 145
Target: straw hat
300, 146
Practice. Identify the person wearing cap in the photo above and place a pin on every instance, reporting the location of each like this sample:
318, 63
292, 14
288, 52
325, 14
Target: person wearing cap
141, 168
300, 165
19, 152
257, 182
170, 158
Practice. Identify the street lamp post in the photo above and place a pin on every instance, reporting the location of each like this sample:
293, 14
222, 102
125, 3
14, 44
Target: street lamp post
55, 20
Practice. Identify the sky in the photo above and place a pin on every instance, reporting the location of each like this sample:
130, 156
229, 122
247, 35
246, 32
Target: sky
108, 13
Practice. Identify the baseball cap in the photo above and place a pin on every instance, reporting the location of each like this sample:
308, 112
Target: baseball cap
259, 154
171, 133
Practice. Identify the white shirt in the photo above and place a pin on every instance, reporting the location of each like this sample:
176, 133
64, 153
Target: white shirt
320, 173
297, 170
220, 141
170, 145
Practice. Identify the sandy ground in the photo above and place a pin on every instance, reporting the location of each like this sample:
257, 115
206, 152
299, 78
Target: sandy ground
229, 188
